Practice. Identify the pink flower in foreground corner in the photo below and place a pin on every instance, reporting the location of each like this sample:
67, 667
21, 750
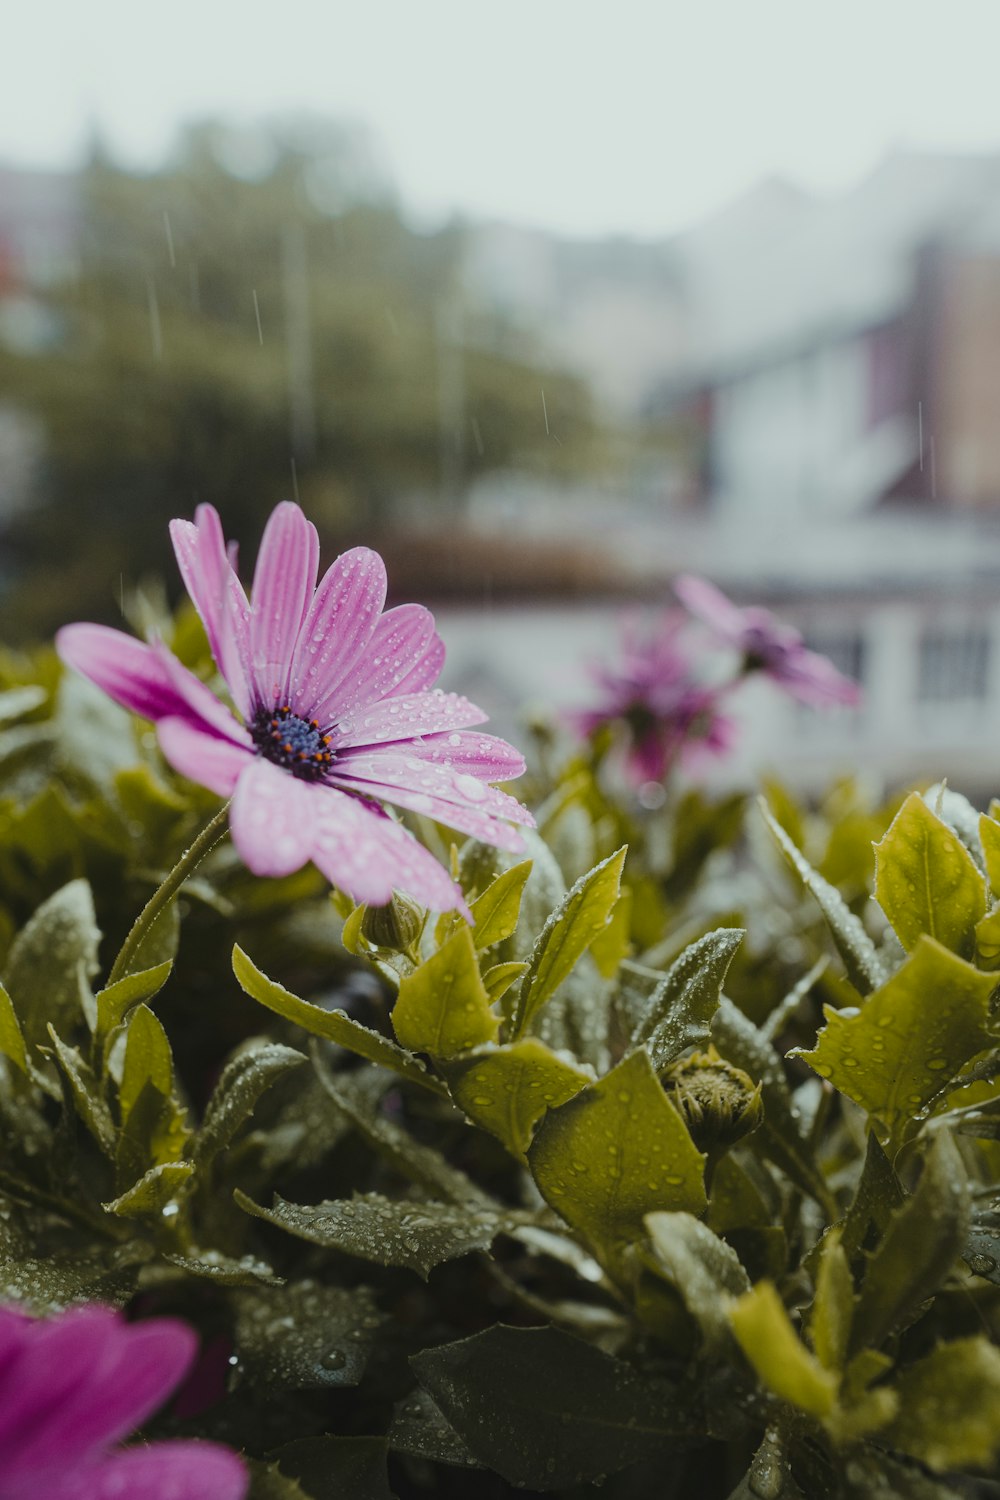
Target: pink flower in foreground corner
72, 1386
767, 645
337, 714
668, 715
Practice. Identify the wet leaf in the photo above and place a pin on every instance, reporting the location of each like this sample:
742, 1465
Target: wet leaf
765, 1334
921, 1244
615, 1152
949, 1406
305, 1335
877, 1197
12, 1044
508, 1090
496, 911
566, 936
833, 1305
498, 980
861, 960
546, 1410
703, 1269
681, 1007
156, 1192
614, 943
244, 1079
443, 1007
914, 1034
926, 881
419, 1427
989, 832
338, 1468
333, 1025
88, 1100
385, 1231
116, 1000
52, 958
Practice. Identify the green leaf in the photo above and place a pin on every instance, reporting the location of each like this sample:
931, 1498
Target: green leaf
333, 1025
51, 960
303, 1335
116, 1000
498, 980
153, 1126
508, 1090
765, 1334
864, 968
926, 881
914, 1034
496, 911
156, 1191
419, 1428
88, 1100
877, 1197
268, 1483
921, 1243
989, 833
704, 1270
567, 935
680, 1009
547, 1411
244, 1079
20, 700
338, 1468
386, 1231
12, 1044
148, 1059
614, 944
443, 1007
615, 1152
833, 1306
949, 1407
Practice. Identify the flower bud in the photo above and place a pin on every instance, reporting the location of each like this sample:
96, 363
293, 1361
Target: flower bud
718, 1102
396, 925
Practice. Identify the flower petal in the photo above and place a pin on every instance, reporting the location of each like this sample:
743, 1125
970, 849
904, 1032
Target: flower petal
338, 627
217, 594
453, 797
400, 645
270, 819
404, 717
481, 755
204, 758
426, 672
814, 679
162, 1471
200, 702
364, 852
127, 670
283, 584
710, 605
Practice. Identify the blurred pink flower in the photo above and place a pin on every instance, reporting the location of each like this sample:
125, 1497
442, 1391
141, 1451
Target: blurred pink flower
668, 715
337, 711
767, 645
72, 1386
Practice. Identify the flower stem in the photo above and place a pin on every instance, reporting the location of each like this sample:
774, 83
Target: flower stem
160, 899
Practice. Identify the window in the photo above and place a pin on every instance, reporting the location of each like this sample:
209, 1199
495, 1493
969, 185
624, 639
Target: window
846, 649
954, 666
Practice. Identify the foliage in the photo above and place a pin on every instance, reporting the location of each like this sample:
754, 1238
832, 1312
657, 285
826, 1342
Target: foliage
533, 1199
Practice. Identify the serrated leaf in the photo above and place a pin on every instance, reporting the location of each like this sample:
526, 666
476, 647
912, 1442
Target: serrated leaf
385, 1231
496, 911
443, 1008
615, 1152
567, 935
333, 1025
116, 1000
156, 1190
244, 1079
914, 1034
508, 1090
921, 1243
704, 1270
949, 1406
860, 956
926, 881
547, 1411
53, 953
877, 1197
764, 1332
420, 1428
304, 1335
680, 1009
88, 1100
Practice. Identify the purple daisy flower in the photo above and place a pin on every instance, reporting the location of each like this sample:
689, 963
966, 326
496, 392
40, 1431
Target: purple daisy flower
668, 715
337, 714
767, 645
72, 1386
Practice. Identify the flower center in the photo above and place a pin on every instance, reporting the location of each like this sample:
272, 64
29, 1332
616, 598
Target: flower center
297, 745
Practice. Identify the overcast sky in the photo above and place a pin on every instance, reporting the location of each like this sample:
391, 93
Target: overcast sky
584, 116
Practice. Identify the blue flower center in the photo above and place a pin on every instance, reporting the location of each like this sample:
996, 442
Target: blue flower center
297, 745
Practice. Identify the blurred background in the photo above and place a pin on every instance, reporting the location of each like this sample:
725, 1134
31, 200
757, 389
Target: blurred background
548, 304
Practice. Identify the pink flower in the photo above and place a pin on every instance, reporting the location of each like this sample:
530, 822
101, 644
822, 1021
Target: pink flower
336, 713
767, 645
668, 715
72, 1386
